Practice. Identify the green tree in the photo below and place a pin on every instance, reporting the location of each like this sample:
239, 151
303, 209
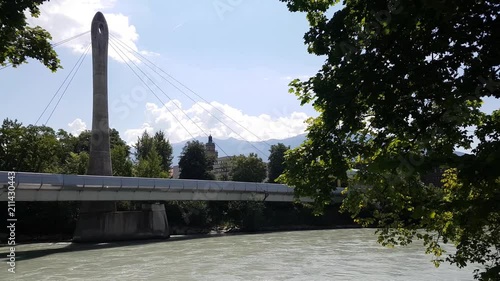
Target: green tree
164, 149
11, 136
120, 161
83, 142
115, 140
18, 41
224, 171
120, 151
147, 145
249, 168
276, 164
120, 155
144, 145
28, 149
76, 163
150, 166
67, 144
194, 162
401, 88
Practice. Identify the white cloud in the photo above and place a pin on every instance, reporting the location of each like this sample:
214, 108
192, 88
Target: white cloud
149, 53
217, 119
77, 126
131, 135
65, 19
301, 77
177, 26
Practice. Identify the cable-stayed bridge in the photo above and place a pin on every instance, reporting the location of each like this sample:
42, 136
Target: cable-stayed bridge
98, 191
59, 187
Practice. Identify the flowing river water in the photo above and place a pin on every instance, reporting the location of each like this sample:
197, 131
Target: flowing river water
342, 254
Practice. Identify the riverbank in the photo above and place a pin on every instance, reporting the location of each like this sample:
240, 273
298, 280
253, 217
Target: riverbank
56, 221
181, 231
223, 230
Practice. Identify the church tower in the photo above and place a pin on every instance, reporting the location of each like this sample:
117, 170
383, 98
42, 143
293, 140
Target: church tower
210, 148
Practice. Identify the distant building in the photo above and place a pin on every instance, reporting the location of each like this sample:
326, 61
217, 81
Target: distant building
175, 172
210, 148
223, 167
210, 151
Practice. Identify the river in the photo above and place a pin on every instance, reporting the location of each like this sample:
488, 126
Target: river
342, 254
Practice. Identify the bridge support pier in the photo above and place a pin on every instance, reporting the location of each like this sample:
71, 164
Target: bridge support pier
99, 220
101, 225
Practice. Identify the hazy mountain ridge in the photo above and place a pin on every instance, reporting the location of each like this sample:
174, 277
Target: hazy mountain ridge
232, 146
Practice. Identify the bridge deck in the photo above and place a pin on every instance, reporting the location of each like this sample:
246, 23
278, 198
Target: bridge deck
59, 187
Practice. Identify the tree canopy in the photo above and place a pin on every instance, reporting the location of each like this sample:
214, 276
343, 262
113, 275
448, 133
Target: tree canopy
401, 88
194, 163
276, 161
249, 168
164, 149
18, 41
154, 155
150, 166
40, 149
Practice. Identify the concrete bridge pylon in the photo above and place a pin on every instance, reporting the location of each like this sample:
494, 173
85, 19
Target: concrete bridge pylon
98, 220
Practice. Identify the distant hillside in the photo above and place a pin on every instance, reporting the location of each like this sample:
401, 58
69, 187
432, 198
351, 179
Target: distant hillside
231, 146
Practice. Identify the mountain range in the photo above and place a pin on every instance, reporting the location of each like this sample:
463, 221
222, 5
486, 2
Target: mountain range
232, 146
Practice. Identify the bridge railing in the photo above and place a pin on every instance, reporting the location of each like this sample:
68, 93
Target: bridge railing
26, 180
59, 187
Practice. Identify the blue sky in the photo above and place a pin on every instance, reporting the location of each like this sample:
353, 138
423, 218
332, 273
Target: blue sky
237, 55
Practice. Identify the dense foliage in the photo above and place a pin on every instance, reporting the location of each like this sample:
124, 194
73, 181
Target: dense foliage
43, 150
154, 156
249, 168
276, 164
18, 41
194, 163
401, 88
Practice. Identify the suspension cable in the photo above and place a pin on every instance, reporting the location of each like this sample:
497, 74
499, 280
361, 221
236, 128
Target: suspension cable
121, 54
62, 84
55, 45
69, 39
186, 87
263, 153
168, 97
82, 58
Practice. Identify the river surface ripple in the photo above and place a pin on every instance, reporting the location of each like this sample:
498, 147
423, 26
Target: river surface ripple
341, 254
